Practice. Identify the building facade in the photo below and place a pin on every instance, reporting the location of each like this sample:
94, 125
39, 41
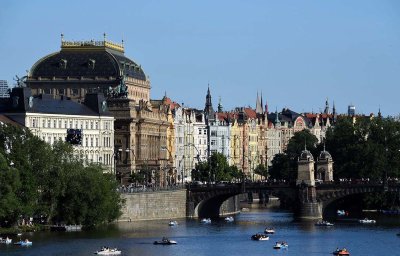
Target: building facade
4, 89
89, 127
82, 67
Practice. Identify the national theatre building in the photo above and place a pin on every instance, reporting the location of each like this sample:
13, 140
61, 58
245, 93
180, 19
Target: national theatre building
140, 127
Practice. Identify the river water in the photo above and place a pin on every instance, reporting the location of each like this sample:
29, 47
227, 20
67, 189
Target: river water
220, 238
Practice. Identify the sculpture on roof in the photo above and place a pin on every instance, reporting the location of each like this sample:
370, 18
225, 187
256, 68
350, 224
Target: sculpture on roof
120, 91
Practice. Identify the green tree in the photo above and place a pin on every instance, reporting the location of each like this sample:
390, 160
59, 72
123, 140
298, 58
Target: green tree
262, 170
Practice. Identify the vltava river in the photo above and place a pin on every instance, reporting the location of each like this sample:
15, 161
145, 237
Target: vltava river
220, 238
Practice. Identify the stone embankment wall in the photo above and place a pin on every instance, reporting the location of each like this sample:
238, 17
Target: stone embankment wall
154, 205
164, 205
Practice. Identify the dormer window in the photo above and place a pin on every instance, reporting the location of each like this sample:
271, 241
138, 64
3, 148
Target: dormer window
63, 64
91, 63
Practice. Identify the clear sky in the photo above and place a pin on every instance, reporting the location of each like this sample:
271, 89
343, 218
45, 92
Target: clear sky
298, 53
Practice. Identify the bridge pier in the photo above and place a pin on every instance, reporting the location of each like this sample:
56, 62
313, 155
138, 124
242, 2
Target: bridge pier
310, 208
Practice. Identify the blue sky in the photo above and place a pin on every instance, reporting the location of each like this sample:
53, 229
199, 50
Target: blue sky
298, 53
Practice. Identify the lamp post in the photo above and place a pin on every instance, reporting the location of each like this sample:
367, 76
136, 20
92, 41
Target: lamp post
116, 155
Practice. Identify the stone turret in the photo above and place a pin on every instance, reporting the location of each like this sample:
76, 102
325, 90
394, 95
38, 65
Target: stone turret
305, 169
325, 166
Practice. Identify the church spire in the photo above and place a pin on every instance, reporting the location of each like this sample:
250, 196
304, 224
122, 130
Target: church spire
208, 110
259, 109
220, 109
326, 111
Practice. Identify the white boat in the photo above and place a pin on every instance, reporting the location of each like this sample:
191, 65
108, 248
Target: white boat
269, 231
324, 223
5, 240
165, 241
281, 245
259, 237
108, 251
25, 242
206, 220
172, 223
367, 221
229, 219
341, 213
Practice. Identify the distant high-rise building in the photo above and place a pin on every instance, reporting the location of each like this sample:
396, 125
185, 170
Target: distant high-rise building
4, 89
351, 111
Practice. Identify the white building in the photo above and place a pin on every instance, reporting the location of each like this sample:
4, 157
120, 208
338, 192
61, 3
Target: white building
4, 89
89, 127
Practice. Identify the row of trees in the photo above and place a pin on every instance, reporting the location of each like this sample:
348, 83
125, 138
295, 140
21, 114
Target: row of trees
365, 149
50, 183
368, 148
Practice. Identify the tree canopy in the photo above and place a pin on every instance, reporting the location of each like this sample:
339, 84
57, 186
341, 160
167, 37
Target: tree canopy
40, 180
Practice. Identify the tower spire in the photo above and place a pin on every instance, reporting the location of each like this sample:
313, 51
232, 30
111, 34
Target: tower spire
258, 105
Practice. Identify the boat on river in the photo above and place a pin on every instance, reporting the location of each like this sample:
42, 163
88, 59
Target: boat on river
172, 223
281, 245
5, 240
269, 231
259, 237
108, 251
165, 241
206, 220
229, 219
324, 223
367, 221
342, 252
25, 242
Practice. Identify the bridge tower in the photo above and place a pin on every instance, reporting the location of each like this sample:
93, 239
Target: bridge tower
309, 207
325, 166
305, 169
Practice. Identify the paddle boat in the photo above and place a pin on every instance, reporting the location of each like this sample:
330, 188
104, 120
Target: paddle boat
367, 221
108, 251
165, 241
269, 231
5, 240
343, 252
324, 223
172, 223
25, 242
259, 237
281, 245
229, 219
206, 220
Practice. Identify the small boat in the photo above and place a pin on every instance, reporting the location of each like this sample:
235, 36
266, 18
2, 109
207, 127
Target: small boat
172, 223
259, 237
229, 219
206, 220
367, 221
5, 240
281, 245
165, 241
341, 213
343, 252
269, 231
324, 223
25, 242
108, 251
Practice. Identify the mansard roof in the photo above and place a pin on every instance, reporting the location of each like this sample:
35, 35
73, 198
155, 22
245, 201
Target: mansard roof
89, 59
21, 101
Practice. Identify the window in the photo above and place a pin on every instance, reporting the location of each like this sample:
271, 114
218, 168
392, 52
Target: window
96, 125
86, 124
43, 123
59, 124
65, 124
91, 142
33, 122
70, 124
199, 131
55, 124
97, 142
91, 125
86, 142
48, 123
205, 132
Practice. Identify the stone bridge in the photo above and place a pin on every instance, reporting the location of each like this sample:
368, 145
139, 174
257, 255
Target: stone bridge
307, 202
